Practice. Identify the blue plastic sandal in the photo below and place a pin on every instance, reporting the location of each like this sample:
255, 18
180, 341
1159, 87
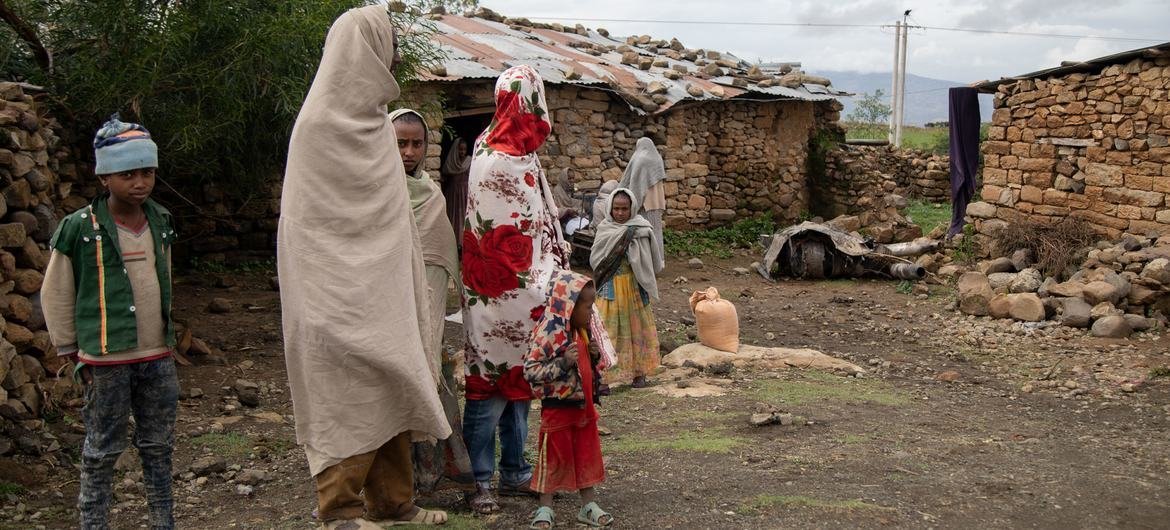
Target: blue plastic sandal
592, 515
545, 515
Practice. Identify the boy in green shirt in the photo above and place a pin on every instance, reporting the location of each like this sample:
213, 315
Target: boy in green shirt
107, 304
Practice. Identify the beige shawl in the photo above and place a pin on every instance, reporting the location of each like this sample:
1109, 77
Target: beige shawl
353, 288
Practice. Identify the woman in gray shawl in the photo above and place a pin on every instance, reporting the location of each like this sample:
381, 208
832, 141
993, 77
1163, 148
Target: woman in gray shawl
644, 177
625, 267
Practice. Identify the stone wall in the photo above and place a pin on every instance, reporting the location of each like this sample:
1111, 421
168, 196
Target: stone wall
1092, 145
38, 183
856, 176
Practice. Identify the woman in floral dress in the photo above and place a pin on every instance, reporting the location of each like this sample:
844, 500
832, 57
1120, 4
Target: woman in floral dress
512, 244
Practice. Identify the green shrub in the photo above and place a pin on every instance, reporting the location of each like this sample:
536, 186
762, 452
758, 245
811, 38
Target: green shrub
719, 242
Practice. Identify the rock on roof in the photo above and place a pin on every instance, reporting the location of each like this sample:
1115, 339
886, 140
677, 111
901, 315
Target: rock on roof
651, 75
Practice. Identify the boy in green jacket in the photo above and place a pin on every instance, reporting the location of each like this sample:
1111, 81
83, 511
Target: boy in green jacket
107, 304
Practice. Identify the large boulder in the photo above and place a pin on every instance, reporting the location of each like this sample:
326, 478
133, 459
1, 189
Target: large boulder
1158, 271
1112, 327
1000, 281
974, 293
1000, 306
1027, 307
1104, 309
997, 265
1026, 281
1101, 291
1075, 313
1139, 323
1068, 289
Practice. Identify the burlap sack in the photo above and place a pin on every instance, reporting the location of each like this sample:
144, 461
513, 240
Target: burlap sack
716, 319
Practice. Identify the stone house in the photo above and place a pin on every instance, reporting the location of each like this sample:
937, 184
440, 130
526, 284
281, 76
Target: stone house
1086, 139
735, 138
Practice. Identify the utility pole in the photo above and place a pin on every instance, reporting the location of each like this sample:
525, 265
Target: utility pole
893, 134
902, 80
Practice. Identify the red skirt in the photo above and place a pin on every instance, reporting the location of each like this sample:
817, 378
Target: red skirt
569, 451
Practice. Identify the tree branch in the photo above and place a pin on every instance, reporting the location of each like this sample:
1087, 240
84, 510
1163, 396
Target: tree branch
29, 35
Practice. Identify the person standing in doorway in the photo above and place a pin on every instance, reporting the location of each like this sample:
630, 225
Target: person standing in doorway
448, 458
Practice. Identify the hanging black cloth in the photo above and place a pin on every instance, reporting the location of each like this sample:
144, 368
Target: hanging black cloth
964, 150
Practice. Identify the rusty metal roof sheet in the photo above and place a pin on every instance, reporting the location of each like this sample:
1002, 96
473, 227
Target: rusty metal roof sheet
479, 48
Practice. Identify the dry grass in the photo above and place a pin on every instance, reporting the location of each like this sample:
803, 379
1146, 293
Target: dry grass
1054, 245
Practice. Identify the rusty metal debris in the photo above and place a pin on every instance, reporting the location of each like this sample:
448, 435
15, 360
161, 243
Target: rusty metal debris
816, 251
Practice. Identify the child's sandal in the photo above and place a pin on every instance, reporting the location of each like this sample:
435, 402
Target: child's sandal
592, 515
542, 515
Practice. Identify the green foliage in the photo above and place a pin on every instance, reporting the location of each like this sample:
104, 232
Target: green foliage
1161, 371
904, 287
8, 488
870, 118
219, 267
815, 387
719, 242
219, 84
964, 249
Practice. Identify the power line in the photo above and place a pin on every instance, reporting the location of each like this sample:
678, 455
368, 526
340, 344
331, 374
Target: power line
854, 26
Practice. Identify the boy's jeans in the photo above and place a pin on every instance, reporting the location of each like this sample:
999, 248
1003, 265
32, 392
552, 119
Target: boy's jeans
151, 391
480, 418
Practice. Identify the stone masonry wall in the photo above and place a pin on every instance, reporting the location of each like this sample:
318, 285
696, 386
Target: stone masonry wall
1092, 145
856, 176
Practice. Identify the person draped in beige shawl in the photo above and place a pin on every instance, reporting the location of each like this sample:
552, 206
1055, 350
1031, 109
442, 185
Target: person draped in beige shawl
355, 309
447, 459
645, 177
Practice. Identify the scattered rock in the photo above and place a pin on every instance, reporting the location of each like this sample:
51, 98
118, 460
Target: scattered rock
219, 306
949, 376
720, 369
1067, 289
1139, 323
1103, 310
208, 465
771, 418
1113, 327
252, 477
740, 271
1100, 291
695, 263
1022, 259
1000, 306
243, 490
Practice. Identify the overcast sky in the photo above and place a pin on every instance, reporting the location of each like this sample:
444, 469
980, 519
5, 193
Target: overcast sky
962, 57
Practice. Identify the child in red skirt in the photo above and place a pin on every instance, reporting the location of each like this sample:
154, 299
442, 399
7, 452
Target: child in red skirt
563, 371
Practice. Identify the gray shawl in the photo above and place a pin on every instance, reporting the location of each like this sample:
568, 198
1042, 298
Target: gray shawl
640, 250
644, 170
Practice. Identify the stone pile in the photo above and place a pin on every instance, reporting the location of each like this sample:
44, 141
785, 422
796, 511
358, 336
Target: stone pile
1090, 144
881, 219
38, 184
1120, 288
854, 173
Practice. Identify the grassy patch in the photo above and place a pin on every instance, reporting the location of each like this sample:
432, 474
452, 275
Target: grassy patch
227, 445
853, 439
819, 386
456, 521
689, 442
719, 242
929, 216
219, 267
1161, 371
8, 488
765, 501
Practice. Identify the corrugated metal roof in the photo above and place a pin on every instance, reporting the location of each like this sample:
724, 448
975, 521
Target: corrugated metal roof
1158, 50
480, 48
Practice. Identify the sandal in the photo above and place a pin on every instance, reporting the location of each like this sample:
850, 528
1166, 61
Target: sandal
542, 516
423, 517
591, 514
482, 502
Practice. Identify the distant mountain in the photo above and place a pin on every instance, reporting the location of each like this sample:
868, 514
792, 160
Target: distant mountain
926, 98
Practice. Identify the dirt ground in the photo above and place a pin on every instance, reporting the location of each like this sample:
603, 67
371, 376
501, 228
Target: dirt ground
1040, 427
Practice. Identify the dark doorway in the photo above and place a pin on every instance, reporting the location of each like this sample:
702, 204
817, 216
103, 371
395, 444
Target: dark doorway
464, 130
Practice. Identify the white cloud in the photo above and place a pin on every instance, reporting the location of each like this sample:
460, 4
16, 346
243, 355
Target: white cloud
948, 55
